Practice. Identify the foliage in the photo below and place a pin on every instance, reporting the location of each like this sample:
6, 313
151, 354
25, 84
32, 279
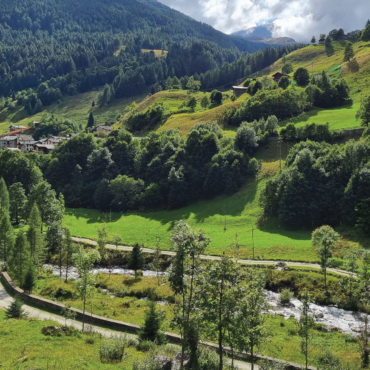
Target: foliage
216, 97
6, 238
285, 296
20, 259
112, 351
365, 36
348, 52
364, 112
284, 82
192, 103
15, 310
146, 120
151, 330
246, 139
287, 68
310, 166
204, 102
4, 198
302, 77
136, 260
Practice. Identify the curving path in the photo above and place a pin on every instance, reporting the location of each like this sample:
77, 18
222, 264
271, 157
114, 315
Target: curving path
217, 258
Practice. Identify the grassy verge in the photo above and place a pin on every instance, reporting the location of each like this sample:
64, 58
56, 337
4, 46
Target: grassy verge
23, 346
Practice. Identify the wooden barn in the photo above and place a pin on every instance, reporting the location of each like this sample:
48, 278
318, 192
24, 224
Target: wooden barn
277, 76
239, 90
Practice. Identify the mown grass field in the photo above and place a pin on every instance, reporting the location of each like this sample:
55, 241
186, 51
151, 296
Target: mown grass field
23, 346
283, 341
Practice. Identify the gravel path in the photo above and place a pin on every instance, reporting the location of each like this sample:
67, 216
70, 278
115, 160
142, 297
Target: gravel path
216, 258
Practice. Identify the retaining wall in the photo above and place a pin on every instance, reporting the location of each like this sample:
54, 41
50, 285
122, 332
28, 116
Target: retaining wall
115, 324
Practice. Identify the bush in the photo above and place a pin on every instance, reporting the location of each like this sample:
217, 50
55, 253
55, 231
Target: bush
208, 360
302, 77
111, 351
58, 289
216, 97
15, 310
285, 296
149, 363
146, 346
327, 359
336, 262
292, 331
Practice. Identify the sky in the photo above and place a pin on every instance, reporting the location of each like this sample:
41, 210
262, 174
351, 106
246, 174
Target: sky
299, 19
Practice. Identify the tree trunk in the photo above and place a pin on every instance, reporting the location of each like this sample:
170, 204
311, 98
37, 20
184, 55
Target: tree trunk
252, 357
67, 266
83, 317
220, 336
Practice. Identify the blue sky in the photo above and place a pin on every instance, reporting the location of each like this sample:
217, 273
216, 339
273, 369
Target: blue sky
300, 19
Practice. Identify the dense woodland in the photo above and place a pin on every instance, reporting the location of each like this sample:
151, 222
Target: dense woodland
322, 184
51, 48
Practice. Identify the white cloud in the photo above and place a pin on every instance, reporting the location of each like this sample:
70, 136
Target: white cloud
299, 19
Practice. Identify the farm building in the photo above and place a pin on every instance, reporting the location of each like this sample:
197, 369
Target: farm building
277, 76
239, 90
322, 41
103, 128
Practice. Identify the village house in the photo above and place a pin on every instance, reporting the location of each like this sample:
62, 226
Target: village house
277, 76
25, 143
44, 148
8, 142
322, 41
103, 128
239, 90
16, 128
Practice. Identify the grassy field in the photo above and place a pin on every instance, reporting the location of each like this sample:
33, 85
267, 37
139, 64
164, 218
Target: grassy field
23, 346
283, 340
338, 118
157, 53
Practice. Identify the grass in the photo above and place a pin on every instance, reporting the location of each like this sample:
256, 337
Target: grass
23, 346
339, 118
282, 342
157, 52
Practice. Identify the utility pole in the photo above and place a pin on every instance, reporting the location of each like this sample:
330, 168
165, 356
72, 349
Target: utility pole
253, 241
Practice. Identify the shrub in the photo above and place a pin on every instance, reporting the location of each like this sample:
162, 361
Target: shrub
327, 359
149, 363
336, 262
216, 97
350, 338
292, 331
287, 68
285, 296
208, 360
15, 310
58, 289
112, 351
151, 329
146, 346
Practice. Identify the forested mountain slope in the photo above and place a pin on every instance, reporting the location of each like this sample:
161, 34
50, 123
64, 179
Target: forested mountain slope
72, 45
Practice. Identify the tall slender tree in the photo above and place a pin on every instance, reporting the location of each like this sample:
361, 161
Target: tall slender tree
136, 259
18, 200
20, 258
4, 198
323, 239
305, 325
68, 250
6, 237
188, 244
85, 285
35, 237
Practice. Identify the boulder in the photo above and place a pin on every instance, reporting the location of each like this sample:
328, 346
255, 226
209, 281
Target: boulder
177, 360
165, 363
54, 331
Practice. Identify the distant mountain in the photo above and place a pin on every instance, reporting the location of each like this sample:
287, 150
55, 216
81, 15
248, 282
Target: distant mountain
263, 33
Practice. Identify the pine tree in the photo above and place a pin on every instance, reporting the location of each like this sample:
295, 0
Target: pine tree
18, 199
90, 121
15, 310
313, 40
152, 325
136, 260
20, 258
30, 279
4, 198
6, 238
35, 237
348, 52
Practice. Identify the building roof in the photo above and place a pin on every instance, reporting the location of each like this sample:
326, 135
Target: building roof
279, 74
17, 126
24, 137
14, 149
9, 138
46, 146
240, 88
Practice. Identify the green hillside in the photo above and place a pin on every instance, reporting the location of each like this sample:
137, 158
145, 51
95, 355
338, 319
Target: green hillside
316, 59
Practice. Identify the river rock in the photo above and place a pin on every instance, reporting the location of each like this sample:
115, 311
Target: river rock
54, 331
177, 360
165, 363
